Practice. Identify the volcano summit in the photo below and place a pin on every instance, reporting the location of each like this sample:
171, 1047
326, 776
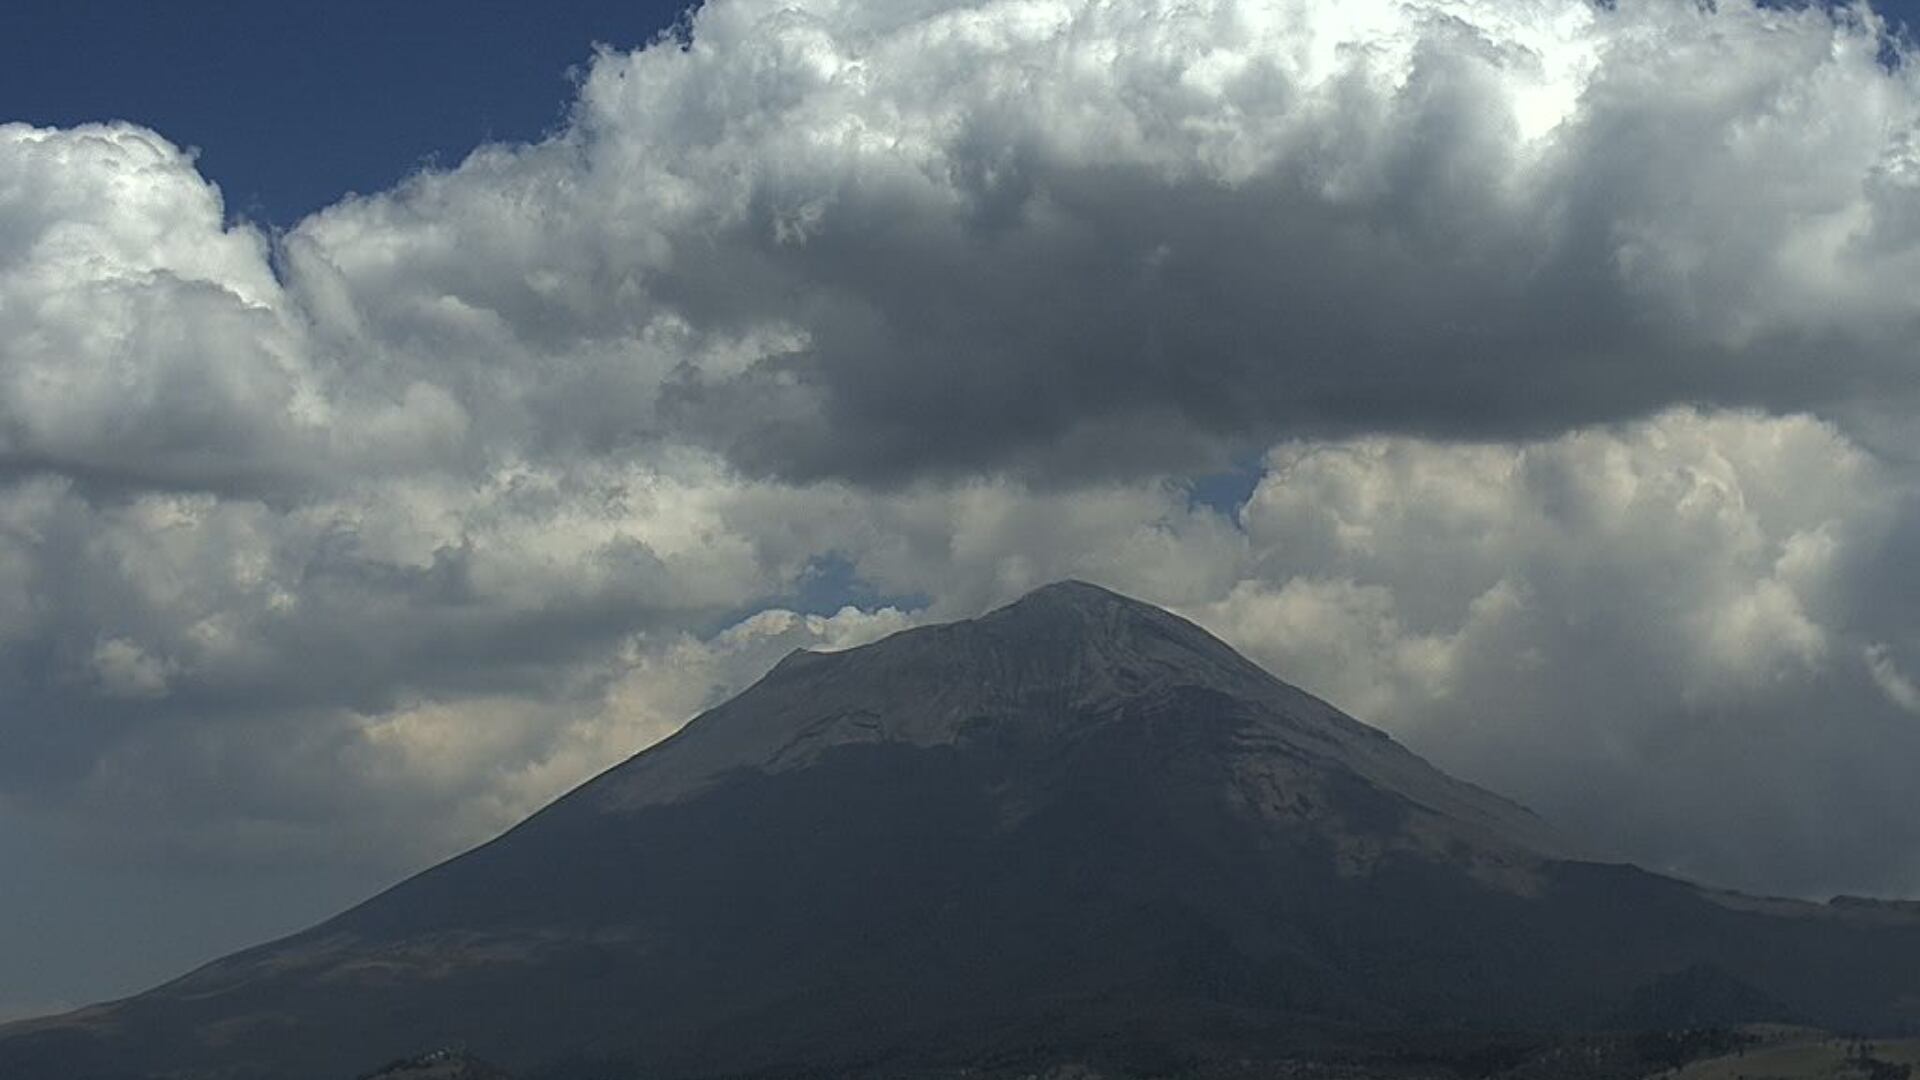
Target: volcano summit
1078, 825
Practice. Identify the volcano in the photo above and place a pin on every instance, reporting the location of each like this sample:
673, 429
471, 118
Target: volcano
1078, 825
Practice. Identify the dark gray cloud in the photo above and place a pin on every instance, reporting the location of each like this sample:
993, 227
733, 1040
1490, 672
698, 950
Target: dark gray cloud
1011, 239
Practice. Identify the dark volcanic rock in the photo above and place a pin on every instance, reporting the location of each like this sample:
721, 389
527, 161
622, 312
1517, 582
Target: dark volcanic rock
437, 1065
1076, 826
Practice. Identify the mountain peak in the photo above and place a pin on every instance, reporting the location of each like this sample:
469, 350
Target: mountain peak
1072, 623
1047, 669
1075, 593
1070, 605
1069, 645
1056, 657
1087, 613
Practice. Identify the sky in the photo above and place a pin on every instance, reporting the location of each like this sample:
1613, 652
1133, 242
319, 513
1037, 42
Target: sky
408, 411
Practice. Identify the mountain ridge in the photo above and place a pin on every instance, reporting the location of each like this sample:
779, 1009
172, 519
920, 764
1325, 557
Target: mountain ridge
1098, 646
1074, 820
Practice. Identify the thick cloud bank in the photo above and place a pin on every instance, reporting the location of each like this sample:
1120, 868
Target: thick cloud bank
1692, 627
1059, 238
1577, 342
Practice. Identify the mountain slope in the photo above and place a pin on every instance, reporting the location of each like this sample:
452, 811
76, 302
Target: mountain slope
1076, 822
